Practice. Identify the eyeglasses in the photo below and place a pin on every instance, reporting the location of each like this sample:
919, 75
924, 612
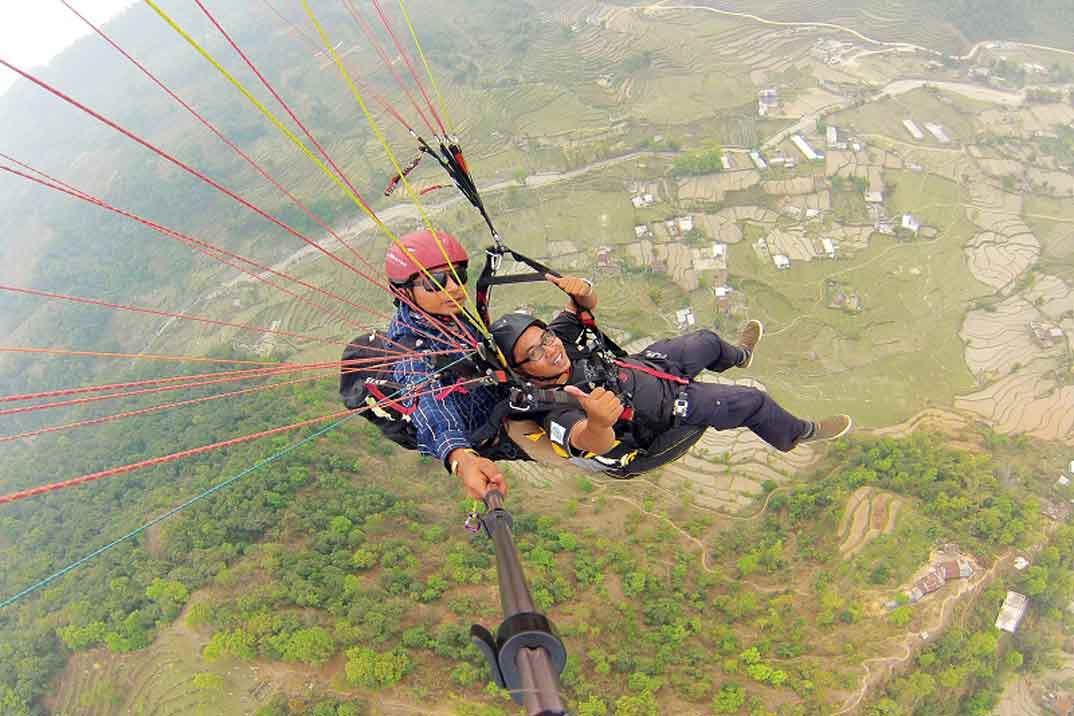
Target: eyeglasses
537, 352
438, 280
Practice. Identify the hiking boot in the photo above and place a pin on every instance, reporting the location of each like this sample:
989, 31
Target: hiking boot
830, 428
751, 335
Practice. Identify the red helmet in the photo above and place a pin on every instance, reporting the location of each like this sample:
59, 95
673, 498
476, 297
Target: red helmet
422, 251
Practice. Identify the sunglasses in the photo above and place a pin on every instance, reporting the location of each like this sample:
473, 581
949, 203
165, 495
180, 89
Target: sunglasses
438, 280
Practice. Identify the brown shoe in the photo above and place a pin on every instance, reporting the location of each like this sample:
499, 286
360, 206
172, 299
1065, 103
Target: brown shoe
830, 428
751, 335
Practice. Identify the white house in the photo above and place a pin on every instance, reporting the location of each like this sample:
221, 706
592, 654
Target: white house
1012, 611
781, 261
1020, 563
829, 247
874, 197
722, 291
641, 230
937, 131
911, 224
913, 129
719, 251
758, 160
685, 318
832, 136
803, 146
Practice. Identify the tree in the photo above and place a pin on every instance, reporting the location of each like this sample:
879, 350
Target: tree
170, 595
729, 699
313, 646
372, 669
643, 704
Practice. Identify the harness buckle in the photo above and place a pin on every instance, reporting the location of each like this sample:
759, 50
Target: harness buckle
517, 394
495, 259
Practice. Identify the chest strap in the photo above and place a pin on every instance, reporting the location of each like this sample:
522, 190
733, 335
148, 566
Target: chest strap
653, 372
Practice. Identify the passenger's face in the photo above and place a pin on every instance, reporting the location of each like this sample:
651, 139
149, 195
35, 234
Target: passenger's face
446, 302
540, 354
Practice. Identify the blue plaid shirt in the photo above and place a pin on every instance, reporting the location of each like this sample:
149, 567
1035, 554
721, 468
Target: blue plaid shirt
445, 424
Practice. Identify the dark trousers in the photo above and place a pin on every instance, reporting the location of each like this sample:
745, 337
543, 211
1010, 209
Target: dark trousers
726, 407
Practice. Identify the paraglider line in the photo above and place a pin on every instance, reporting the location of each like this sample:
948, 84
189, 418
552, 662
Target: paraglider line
272, 90
208, 249
357, 199
473, 315
234, 374
212, 128
425, 62
168, 314
170, 513
359, 363
410, 66
367, 30
185, 167
192, 452
200, 496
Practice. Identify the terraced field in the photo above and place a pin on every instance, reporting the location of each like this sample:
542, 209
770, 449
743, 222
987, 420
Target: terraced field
868, 515
156, 682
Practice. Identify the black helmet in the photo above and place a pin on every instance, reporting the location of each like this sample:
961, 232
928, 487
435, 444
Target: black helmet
507, 329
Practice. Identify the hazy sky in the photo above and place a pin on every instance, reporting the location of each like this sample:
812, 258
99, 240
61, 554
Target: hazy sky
32, 32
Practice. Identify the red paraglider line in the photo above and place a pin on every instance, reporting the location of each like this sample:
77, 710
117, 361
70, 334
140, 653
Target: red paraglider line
234, 374
111, 472
367, 30
207, 249
287, 108
406, 58
166, 314
138, 356
185, 167
184, 403
318, 50
155, 409
217, 186
356, 364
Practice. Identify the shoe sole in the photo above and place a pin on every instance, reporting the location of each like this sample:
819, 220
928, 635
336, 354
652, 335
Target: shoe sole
841, 433
760, 335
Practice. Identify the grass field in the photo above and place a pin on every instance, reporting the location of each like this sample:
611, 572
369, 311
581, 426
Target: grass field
899, 355
884, 117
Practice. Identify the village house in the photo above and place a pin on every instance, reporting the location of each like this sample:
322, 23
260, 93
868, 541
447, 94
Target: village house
781, 261
913, 129
940, 574
767, 102
684, 318
1011, 613
909, 223
803, 146
642, 200
1047, 335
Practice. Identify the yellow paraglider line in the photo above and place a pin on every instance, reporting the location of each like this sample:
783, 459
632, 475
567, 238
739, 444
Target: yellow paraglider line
428, 70
267, 113
327, 42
